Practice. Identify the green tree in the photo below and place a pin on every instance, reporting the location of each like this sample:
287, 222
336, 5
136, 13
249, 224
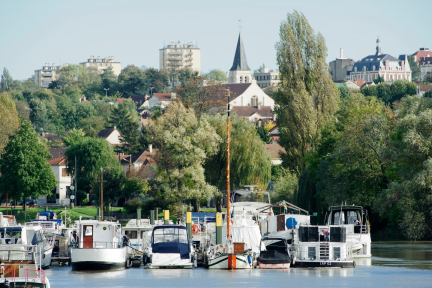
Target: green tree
132, 80
378, 80
9, 120
73, 136
307, 96
184, 143
285, 186
415, 68
24, 168
186, 74
6, 81
158, 79
217, 75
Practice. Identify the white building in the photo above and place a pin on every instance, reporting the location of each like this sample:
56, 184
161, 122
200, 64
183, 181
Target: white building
266, 77
248, 94
161, 100
384, 65
60, 194
179, 56
240, 71
113, 136
102, 64
43, 77
424, 59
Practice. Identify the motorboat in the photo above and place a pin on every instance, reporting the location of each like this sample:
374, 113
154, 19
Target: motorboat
254, 202
170, 247
99, 246
355, 220
322, 246
19, 267
231, 256
275, 253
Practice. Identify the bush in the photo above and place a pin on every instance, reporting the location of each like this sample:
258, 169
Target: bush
85, 202
132, 205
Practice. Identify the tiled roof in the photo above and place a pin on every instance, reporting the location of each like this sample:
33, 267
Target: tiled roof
105, 133
163, 96
247, 111
425, 88
274, 150
140, 157
421, 54
236, 89
120, 100
58, 161
57, 152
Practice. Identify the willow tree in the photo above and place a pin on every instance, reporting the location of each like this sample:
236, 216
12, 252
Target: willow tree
9, 120
250, 163
307, 96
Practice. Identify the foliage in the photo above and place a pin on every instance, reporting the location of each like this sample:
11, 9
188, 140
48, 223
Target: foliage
201, 94
378, 80
285, 186
132, 80
6, 81
135, 186
133, 204
184, 143
9, 120
390, 93
73, 136
307, 96
24, 168
217, 75
415, 68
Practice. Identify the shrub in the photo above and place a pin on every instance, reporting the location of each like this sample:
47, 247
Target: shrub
132, 205
85, 202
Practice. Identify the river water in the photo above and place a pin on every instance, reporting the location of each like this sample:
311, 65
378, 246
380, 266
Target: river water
394, 264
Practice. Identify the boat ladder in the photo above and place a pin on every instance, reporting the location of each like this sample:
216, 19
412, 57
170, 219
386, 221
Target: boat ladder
324, 251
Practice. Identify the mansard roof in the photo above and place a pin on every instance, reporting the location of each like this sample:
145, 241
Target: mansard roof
240, 62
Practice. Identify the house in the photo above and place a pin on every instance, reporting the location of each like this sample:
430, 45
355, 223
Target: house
275, 151
248, 94
340, 68
424, 59
381, 65
60, 194
161, 100
274, 134
120, 101
422, 89
113, 136
139, 162
140, 100
254, 113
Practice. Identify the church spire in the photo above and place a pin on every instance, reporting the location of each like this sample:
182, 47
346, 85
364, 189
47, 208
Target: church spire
240, 62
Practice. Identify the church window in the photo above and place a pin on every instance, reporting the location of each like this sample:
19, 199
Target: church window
241, 79
254, 100
246, 79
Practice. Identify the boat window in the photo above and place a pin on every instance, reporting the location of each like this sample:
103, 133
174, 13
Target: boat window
339, 218
170, 235
246, 196
311, 253
131, 234
336, 253
352, 217
88, 230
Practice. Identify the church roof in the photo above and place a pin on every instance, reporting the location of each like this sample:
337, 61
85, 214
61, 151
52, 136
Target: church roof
240, 62
236, 89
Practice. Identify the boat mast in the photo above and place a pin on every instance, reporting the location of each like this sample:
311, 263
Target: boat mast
228, 168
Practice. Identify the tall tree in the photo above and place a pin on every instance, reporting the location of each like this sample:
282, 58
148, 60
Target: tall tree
24, 167
307, 97
184, 143
6, 81
9, 120
415, 68
217, 75
132, 80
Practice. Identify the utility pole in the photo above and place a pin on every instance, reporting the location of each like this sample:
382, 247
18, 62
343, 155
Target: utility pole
106, 91
76, 182
101, 194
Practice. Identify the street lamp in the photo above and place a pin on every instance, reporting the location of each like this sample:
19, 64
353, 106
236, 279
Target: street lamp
106, 92
151, 91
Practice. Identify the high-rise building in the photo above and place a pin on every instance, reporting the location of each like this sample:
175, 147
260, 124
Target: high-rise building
46, 75
240, 71
266, 77
179, 56
102, 63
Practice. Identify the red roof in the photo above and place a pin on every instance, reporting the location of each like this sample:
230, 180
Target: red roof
120, 100
425, 88
421, 54
163, 96
58, 161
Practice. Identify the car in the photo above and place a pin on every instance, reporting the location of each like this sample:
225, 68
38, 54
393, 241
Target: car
29, 202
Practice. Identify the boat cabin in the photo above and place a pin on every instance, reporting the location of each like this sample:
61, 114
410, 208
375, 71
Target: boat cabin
21, 235
354, 216
98, 234
171, 239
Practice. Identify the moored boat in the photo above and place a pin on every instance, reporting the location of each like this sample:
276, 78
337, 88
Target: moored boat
275, 253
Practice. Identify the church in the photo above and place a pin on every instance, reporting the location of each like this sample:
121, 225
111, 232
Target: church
244, 90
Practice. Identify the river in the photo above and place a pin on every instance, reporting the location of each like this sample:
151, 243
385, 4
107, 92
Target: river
394, 264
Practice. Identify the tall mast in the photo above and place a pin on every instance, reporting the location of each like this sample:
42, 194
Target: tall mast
228, 168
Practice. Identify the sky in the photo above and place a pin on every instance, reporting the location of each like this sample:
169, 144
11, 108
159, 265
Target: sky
55, 31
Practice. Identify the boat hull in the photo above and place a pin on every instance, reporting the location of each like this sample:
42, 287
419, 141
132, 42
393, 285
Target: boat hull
274, 266
98, 258
169, 261
229, 261
324, 264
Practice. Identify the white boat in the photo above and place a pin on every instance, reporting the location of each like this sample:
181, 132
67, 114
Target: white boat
99, 246
322, 246
355, 220
226, 257
170, 247
19, 267
275, 253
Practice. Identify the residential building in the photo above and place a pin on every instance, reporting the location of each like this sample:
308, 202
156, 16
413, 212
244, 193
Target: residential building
424, 59
177, 56
341, 67
49, 73
254, 113
102, 64
248, 94
240, 71
275, 151
266, 77
140, 100
113, 136
60, 194
384, 65
137, 161
161, 100
422, 89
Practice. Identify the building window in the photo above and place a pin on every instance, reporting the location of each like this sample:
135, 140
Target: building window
355, 69
254, 101
65, 173
246, 79
241, 79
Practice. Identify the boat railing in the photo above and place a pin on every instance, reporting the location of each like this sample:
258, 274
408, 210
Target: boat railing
18, 252
34, 275
102, 245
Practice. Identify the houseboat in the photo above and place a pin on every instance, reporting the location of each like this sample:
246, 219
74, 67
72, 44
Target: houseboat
99, 246
275, 253
322, 246
355, 220
170, 247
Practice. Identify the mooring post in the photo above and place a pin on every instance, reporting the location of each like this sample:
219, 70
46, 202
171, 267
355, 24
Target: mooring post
189, 224
218, 228
157, 214
166, 217
152, 217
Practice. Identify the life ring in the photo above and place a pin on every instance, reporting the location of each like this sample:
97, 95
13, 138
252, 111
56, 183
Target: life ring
195, 229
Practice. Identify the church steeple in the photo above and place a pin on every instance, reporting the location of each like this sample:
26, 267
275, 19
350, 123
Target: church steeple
240, 62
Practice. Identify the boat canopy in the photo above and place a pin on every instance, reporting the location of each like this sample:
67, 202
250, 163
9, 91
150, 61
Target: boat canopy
171, 239
59, 221
251, 196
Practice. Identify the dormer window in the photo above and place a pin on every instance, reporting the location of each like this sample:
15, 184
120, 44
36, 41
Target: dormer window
364, 68
373, 67
355, 69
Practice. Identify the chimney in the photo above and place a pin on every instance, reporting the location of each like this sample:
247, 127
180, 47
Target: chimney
173, 96
341, 53
150, 148
115, 127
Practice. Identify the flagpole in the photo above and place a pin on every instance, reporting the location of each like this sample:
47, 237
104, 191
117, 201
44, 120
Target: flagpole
228, 169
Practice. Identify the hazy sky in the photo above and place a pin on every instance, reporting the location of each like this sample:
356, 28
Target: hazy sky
37, 32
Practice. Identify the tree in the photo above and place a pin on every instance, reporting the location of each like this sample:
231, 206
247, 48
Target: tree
132, 80
24, 168
250, 164
285, 186
158, 79
73, 136
415, 68
201, 95
378, 80
6, 81
92, 154
9, 120
186, 74
217, 75
184, 143
307, 96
